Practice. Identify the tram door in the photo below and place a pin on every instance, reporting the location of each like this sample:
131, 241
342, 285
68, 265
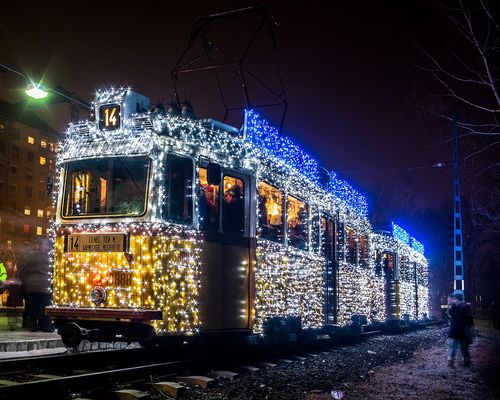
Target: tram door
391, 285
328, 241
228, 249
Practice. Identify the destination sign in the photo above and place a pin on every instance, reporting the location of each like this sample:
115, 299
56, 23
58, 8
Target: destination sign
109, 117
99, 242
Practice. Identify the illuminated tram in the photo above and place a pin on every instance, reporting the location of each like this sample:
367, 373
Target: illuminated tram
169, 226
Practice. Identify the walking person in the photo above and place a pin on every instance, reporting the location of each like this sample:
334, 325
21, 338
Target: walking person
34, 274
461, 328
495, 314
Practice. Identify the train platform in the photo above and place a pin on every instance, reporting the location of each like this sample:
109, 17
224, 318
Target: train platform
17, 342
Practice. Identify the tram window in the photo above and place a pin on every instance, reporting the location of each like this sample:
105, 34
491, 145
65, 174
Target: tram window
363, 250
178, 205
233, 214
270, 213
388, 261
208, 203
298, 216
328, 237
113, 186
351, 245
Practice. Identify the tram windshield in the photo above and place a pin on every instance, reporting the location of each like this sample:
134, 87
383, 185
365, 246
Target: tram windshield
111, 186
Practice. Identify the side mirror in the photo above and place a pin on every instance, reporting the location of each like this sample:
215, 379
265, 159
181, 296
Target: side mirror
213, 174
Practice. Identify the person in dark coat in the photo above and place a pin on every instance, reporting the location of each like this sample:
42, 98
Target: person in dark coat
495, 314
34, 274
461, 327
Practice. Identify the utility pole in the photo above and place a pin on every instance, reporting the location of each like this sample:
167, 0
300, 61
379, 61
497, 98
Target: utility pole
458, 265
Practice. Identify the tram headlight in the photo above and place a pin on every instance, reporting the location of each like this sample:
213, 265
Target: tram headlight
98, 295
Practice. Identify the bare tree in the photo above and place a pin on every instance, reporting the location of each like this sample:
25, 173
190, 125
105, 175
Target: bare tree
469, 74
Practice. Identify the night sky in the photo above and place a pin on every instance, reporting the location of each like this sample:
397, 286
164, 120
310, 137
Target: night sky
354, 90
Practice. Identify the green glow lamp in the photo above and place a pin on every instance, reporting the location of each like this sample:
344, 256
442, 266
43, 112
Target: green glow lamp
36, 91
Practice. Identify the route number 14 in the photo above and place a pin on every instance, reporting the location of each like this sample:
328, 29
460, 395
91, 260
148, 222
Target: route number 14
109, 117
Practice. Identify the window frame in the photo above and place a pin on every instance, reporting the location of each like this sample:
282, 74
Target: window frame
283, 211
308, 232
246, 179
193, 186
100, 216
234, 175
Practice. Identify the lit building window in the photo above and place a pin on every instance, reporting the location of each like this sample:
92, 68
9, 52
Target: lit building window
39, 230
26, 228
27, 211
31, 140
43, 144
43, 161
40, 213
48, 213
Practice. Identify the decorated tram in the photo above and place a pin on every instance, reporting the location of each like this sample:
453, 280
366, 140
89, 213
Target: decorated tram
171, 226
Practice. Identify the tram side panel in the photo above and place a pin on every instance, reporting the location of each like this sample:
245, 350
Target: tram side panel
288, 283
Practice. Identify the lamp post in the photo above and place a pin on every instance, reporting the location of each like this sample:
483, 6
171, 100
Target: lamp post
38, 91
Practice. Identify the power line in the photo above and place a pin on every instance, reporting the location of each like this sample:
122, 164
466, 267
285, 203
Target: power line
402, 169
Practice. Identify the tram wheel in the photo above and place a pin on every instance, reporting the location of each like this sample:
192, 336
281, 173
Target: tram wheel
71, 334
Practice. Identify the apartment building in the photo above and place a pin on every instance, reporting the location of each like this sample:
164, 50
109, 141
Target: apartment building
28, 148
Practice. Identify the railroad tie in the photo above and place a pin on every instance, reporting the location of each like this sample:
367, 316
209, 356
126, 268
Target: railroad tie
172, 389
131, 394
266, 365
225, 374
202, 381
248, 368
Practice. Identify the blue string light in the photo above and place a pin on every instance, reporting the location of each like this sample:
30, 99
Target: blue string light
400, 234
403, 236
417, 246
347, 193
262, 134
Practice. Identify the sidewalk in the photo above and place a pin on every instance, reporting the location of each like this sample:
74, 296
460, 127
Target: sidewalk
17, 342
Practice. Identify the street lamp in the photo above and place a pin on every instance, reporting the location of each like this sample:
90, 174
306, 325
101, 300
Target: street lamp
38, 91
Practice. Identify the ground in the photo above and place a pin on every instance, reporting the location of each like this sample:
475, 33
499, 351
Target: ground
426, 375
410, 366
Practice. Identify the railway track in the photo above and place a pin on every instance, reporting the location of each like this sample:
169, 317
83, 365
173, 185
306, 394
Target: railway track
97, 373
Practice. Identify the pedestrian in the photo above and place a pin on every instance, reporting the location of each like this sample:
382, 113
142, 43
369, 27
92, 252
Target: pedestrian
495, 314
461, 328
34, 274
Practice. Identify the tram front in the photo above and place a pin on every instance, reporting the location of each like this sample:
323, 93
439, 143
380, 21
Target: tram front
115, 266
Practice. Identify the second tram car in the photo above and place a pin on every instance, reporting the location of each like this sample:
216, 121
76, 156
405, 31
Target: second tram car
173, 226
